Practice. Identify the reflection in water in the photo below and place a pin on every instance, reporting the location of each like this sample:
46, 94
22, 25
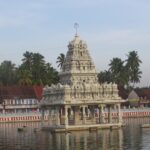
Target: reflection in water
129, 138
104, 139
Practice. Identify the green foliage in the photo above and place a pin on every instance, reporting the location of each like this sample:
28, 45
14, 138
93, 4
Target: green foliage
133, 64
27, 60
33, 71
24, 76
7, 73
60, 60
118, 71
38, 68
123, 72
105, 76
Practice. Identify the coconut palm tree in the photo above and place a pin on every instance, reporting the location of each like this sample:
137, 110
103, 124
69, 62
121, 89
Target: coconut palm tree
24, 77
27, 60
7, 73
51, 75
118, 71
133, 66
38, 68
60, 60
104, 76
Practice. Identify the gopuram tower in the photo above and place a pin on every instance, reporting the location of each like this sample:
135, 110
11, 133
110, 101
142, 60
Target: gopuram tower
79, 101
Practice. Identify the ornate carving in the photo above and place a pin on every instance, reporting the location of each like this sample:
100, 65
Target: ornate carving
79, 79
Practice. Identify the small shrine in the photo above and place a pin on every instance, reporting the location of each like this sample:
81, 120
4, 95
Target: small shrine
78, 101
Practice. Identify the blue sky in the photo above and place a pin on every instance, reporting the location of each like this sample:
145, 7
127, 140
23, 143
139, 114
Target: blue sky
111, 28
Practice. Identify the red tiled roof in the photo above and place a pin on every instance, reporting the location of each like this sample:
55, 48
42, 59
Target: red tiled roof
38, 91
11, 92
143, 93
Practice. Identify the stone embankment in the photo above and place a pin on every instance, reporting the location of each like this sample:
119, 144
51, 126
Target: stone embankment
22, 117
132, 113
26, 117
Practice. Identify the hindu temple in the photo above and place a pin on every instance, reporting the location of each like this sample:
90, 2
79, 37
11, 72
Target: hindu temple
78, 102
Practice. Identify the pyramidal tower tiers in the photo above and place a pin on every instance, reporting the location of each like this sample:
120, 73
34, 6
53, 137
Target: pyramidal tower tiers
79, 95
78, 79
78, 67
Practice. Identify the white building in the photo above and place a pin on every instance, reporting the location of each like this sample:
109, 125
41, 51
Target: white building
20, 99
78, 101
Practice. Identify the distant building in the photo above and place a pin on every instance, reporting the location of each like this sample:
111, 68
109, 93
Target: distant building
136, 98
20, 99
144, 96
133, 99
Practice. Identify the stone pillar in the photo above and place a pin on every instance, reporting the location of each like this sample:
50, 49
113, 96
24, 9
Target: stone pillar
119, 114
57, 116
66, 115
84, 114
109, 114
42, 117
60, 114
101, 114
93, 114
77, 119
49, 117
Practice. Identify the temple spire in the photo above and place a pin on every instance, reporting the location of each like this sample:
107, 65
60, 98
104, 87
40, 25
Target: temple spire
76, 26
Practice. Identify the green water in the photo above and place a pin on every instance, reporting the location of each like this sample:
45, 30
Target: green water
131, 137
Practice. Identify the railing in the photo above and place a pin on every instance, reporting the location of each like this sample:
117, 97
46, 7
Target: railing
36, 116
136, 109
19, 106
19, 114
22, 117
131, 109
